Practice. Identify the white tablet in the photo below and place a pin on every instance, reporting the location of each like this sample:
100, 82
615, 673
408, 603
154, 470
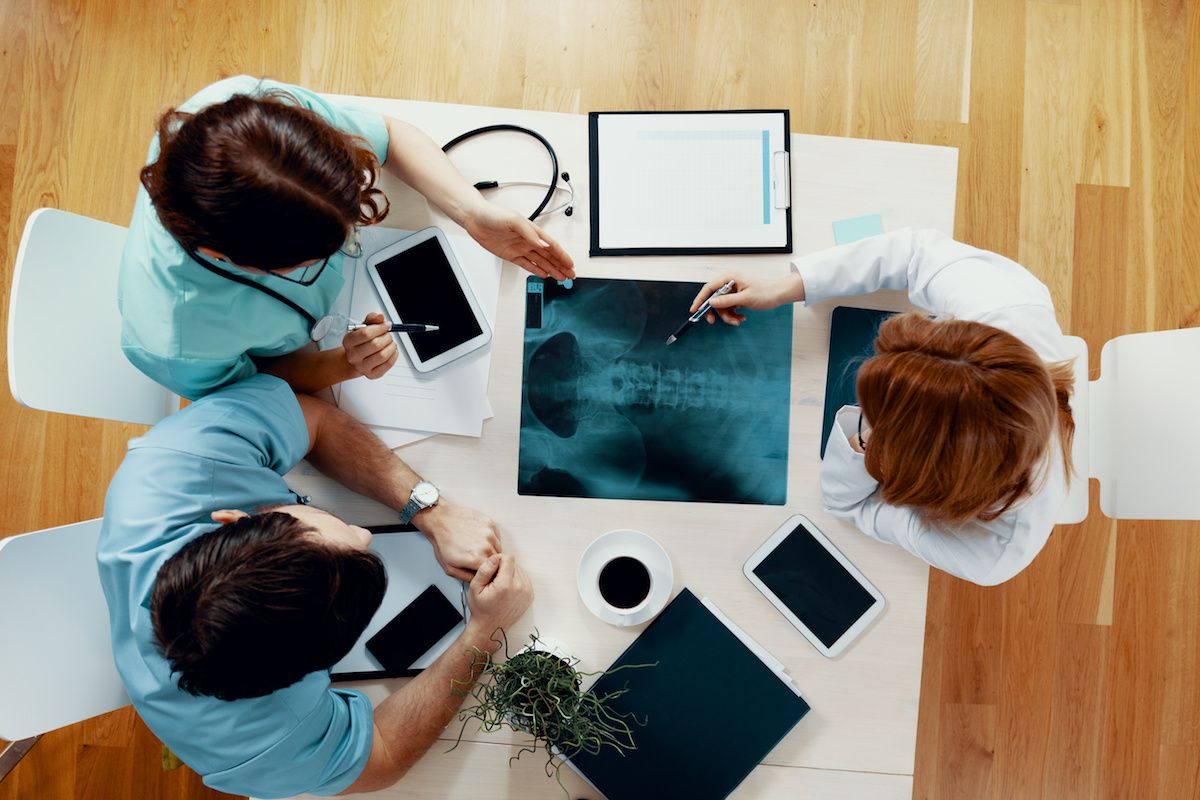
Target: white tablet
420, 281
814, 586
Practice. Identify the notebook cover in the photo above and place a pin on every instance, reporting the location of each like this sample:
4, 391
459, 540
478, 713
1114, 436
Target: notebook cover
852, 333
713, 710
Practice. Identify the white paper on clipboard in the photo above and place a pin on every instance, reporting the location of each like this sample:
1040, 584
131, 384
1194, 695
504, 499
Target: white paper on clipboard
703, 180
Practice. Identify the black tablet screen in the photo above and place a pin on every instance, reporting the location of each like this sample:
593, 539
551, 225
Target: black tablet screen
814, 585
423, 288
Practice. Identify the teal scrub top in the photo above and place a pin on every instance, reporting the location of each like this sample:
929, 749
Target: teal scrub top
192, 331
228, 450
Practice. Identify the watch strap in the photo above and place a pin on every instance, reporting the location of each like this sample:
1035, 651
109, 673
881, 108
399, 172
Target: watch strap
410, 510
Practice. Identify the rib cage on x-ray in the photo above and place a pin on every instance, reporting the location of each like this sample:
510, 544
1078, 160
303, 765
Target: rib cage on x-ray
608, 410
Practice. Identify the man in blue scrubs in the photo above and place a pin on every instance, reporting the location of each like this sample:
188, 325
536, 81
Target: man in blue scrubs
230, 601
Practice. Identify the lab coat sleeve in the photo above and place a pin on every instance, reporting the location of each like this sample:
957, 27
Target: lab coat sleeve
850, 493
939, 274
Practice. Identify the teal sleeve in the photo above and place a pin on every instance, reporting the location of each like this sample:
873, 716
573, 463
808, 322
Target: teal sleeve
369, 125
192, 378
255, 422
322, 755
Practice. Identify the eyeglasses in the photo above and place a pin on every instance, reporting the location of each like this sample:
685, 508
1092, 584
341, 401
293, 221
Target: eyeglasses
861, 444
309, 275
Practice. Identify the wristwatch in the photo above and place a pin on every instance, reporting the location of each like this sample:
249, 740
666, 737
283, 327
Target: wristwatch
424, 495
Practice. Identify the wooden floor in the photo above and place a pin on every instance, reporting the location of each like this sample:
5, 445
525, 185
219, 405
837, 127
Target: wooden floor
1078, 125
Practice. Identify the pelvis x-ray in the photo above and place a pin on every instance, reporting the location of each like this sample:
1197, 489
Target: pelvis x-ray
609, 410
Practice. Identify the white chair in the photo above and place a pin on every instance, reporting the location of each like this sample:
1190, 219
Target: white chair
64, 329
57, 663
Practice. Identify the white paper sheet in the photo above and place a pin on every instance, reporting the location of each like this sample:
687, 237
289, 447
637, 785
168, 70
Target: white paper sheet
689, 180
452, 399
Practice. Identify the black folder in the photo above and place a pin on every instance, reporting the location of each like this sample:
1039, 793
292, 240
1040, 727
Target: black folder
852, 333
713, 710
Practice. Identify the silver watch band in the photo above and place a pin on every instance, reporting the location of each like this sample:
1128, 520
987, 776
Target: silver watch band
410, 510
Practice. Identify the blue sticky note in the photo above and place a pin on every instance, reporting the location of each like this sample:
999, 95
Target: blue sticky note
855, 228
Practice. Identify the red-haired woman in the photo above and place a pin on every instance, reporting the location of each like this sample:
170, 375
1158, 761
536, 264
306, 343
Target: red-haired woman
256, 182
960, 451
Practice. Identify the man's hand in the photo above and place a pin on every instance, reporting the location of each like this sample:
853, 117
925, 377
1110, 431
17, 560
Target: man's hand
371, 351
462, 538
499, 594
513, 238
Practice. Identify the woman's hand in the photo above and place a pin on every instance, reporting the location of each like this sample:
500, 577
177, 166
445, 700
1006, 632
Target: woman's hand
371, 351
757, 293
513, 238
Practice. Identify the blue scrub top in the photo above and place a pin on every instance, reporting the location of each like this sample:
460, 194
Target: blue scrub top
228, 450
193, 331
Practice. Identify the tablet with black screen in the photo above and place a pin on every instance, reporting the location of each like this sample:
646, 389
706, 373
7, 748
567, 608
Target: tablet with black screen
420, 281
814, 585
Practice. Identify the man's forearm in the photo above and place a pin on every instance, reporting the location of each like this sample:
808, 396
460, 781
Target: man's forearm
409, 721
308, 370
343, 449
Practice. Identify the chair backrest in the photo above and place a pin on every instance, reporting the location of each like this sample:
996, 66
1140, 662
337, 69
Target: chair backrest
64, 328
57, 667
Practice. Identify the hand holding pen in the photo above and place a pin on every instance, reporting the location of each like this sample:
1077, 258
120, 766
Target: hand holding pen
755, 292
699, 313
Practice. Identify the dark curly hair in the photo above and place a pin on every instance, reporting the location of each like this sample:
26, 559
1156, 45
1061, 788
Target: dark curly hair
255, 605
261, 180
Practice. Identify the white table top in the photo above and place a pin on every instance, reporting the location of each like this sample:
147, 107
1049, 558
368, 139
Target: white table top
860, 737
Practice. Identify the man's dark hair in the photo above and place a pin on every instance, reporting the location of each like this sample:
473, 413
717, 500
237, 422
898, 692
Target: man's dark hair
255, 605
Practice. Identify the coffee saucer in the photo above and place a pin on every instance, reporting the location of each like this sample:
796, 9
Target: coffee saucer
625, 543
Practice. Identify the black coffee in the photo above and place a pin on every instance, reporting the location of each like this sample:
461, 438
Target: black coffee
624, 582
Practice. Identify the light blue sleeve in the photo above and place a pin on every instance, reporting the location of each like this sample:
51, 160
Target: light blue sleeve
322, 755
256, 422
192, 378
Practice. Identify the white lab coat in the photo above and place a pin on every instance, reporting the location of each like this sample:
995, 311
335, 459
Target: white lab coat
953, 279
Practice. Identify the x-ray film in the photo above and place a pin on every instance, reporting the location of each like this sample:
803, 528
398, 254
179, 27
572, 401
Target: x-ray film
609, 410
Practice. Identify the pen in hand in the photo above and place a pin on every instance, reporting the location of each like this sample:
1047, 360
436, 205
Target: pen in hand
700, 312
398, 327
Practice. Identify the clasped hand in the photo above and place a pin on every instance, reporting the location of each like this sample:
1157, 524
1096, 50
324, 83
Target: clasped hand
462, 538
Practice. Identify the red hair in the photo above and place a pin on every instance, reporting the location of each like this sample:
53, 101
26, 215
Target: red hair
962, 416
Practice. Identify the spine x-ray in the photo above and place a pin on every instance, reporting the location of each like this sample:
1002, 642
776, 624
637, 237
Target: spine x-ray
609, 410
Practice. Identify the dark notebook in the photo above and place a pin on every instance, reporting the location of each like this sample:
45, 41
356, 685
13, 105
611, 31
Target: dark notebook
852, 333
713, 710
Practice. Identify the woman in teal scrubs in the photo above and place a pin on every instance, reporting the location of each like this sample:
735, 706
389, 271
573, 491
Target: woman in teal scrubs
256, 182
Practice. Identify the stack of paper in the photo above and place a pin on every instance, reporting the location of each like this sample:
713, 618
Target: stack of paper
404, 405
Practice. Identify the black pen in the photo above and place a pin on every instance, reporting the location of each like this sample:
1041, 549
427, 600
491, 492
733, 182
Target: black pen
398, 327
699, 315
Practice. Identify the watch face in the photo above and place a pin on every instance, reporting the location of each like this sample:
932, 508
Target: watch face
425, 493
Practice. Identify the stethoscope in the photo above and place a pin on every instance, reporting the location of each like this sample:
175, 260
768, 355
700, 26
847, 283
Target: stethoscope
567, 206
320, 328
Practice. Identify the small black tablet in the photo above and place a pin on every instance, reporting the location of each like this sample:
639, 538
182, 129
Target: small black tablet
814, 586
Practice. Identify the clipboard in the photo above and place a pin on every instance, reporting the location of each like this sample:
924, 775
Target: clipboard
690, 182
411, 567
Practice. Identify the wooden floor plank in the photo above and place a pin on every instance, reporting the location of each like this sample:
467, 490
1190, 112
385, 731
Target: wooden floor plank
966, 745
1079, 702
943, 60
